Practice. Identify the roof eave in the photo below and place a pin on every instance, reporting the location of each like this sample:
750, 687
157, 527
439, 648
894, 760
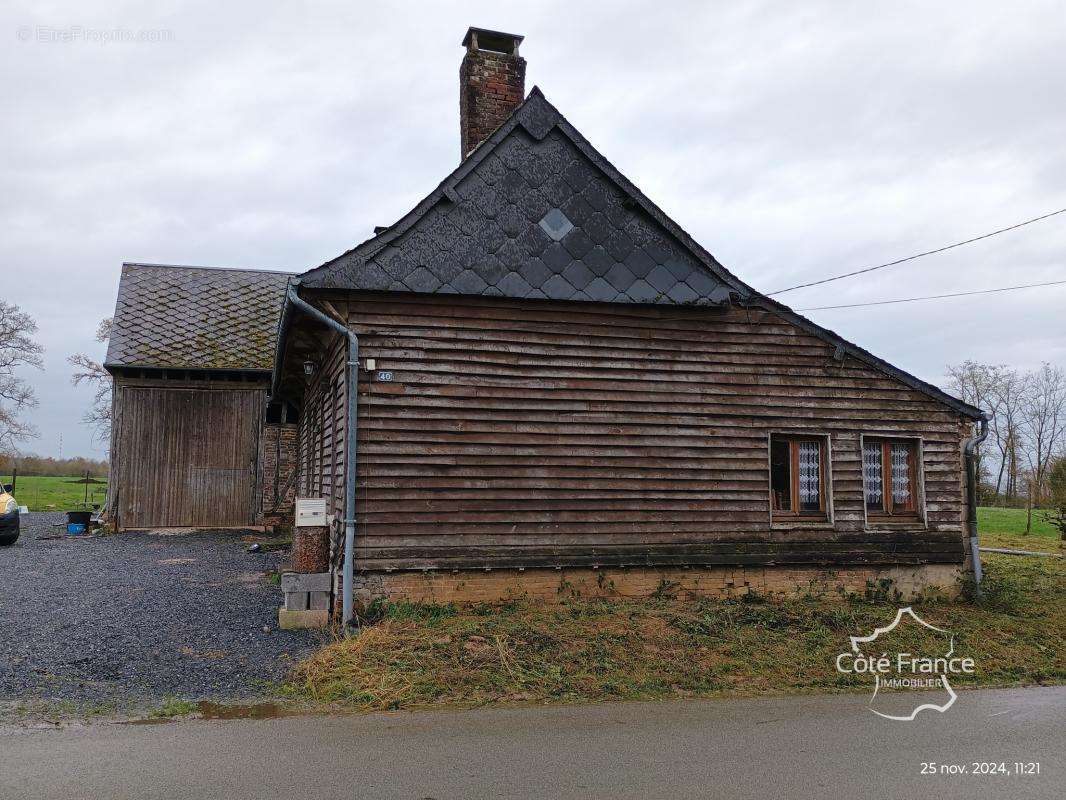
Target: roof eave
112, 367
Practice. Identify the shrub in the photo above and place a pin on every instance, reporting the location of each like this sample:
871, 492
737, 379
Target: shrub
1057, 482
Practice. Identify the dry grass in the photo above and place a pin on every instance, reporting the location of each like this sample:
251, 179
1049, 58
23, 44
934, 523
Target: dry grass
590, 650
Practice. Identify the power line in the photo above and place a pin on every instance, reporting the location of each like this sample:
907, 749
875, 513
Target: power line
918, 255
936, 296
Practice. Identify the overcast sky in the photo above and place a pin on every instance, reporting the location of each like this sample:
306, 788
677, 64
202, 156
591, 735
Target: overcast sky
793, 140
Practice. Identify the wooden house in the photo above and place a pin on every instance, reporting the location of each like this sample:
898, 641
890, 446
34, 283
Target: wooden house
536, 383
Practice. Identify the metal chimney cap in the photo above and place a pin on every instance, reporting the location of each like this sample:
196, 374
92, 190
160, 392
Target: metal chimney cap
496, 41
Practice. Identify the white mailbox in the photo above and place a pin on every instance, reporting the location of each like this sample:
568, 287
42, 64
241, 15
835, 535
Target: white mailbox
310, 511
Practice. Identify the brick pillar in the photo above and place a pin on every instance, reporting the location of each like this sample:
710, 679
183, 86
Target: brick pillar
310, 549
492, 83
277, 474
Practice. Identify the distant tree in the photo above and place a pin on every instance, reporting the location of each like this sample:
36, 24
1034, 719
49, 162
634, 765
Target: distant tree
34, 465
978, 385
1044, 426
1056, 515
89, 371
17, 349
1027, 426
1007, 396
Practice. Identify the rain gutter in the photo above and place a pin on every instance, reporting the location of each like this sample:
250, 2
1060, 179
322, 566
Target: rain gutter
351, 449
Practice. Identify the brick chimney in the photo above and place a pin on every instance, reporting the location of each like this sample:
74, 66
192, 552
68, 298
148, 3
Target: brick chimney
492, 83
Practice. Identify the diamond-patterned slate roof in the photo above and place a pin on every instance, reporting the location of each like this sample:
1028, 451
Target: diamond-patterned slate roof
500, 225
532, 215
196, 318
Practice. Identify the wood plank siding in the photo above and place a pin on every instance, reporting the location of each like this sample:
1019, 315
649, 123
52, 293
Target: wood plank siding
526, 433
185, 456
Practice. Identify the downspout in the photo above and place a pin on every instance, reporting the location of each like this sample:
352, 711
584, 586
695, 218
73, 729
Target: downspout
351, 448
971, 497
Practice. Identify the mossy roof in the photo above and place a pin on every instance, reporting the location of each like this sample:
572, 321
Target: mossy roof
201, 318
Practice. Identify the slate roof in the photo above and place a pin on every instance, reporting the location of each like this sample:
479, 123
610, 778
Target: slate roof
530, 214
535, 211
196, 318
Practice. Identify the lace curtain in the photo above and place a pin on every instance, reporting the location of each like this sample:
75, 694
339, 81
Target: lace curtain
901, 475
810, 454
872, 475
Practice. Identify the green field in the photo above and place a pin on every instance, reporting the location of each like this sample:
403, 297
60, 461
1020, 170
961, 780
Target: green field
61, 494
1012, 521
54, 494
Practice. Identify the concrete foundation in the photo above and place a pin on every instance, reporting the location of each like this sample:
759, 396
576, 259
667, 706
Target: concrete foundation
293, 620
554, 585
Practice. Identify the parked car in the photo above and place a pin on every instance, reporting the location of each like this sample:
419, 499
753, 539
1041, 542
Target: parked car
9, 516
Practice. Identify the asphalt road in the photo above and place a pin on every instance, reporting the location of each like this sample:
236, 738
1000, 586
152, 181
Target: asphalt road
825, 747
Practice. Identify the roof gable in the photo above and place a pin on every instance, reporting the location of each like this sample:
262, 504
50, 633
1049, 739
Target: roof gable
479, 232
534, 213
198, 318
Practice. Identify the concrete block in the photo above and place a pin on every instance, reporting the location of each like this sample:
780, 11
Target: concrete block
296, 601
306, 582
292, 620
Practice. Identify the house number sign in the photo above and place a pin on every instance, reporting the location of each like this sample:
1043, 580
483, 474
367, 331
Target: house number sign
384, 377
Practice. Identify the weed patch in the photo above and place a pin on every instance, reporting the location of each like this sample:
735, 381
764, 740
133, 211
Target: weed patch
173, 707
418, 655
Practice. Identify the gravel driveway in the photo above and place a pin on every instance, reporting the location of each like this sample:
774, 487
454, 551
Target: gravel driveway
138, 617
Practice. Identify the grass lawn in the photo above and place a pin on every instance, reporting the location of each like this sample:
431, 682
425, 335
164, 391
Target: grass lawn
410, 656
1012, 521
54, 494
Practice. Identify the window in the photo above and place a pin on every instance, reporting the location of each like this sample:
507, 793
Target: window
798, 468
890, 477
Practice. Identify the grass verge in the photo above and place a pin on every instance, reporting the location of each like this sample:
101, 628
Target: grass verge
589, 650
1021, 541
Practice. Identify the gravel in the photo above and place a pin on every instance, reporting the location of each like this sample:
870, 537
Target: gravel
140, 617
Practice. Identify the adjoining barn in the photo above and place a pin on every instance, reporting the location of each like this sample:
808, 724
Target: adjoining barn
536, 383
194, 442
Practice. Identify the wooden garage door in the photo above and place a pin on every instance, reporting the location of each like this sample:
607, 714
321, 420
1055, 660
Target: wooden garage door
189, 457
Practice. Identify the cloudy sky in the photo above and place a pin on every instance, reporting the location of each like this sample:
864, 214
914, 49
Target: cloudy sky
794, 140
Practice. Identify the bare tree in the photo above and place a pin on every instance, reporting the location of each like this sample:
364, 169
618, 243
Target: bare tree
89, 371
977, 385
1043, 421
1002, 391
1009, 393
17, 349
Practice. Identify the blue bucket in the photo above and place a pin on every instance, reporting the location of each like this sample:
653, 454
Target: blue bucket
75, 528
